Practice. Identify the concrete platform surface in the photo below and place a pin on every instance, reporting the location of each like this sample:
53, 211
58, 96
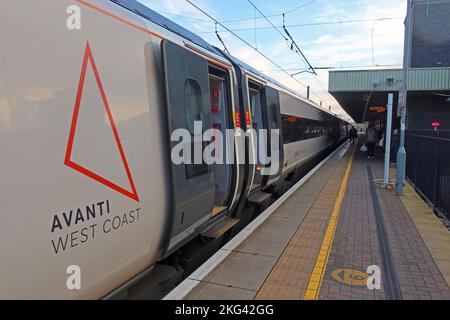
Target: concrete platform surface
337, 237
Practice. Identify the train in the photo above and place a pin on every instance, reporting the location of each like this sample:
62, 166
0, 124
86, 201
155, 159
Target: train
90, 94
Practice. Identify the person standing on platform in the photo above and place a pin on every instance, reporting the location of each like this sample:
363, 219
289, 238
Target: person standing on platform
372, 139
394, 145
353, 134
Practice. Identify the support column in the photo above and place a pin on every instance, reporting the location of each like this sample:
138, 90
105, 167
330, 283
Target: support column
387, 142
401, 154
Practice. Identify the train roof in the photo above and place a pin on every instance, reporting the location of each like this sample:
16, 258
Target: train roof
151, 15
263, 76
270, 80
257, 73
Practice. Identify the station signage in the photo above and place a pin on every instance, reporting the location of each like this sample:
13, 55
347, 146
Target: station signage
378, 109
436, 124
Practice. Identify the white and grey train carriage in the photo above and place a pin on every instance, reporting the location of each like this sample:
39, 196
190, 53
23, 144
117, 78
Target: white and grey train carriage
89, 197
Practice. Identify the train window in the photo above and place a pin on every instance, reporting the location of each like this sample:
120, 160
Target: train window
256, 109
287, 132
298, 129
273, 118
193, 101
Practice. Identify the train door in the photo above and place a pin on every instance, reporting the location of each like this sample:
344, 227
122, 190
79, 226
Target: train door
255, 94
188, 100
220, 89
274, 122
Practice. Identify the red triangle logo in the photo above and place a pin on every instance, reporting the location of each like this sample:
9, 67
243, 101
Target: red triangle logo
89, 59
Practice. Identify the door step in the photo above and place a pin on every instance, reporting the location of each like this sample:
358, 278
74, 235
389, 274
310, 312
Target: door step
259, 198
219, 228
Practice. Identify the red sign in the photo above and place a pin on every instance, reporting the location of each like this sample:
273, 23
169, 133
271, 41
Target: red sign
215, 108
436, 124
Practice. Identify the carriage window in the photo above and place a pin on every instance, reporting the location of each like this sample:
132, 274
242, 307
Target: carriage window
256, 112
193, 103
194, 112
298, 129
273, 116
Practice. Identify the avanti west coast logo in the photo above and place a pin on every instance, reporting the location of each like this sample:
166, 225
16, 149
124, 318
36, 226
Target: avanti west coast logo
213, 147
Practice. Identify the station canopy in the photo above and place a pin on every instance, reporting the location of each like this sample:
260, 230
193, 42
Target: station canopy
363, 93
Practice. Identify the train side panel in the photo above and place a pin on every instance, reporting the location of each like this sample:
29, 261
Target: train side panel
83, 163
299, 152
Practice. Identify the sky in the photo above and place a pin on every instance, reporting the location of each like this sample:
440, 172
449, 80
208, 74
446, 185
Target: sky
325, 31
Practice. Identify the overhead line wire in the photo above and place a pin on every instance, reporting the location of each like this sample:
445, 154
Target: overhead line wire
272, 15
267, 19
300, 7
299, 51
293, 43
316, 24
244, 41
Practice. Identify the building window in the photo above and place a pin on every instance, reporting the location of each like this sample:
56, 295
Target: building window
390, 82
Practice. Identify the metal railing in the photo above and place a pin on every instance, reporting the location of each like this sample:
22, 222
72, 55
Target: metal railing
428, 169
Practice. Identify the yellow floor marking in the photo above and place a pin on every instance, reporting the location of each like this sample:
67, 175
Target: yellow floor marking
217, 210
315, 282
350, 277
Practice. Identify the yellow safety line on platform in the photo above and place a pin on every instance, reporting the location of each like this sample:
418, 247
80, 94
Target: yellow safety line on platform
316, 279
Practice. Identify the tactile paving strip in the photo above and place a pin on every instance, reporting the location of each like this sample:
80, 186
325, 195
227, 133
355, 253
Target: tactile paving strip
291, 274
